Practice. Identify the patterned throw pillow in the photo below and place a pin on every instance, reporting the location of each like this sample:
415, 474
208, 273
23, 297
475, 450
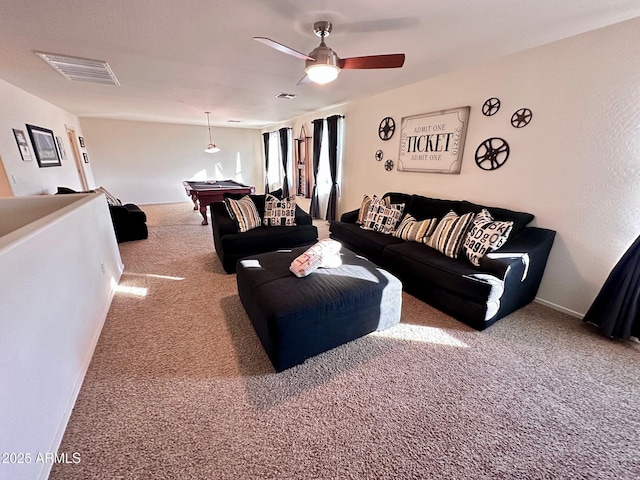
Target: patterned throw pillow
324, 254
382, 218
111, 200
486, 235
450, 233
413, 230
279, 212
365, 205
244, 212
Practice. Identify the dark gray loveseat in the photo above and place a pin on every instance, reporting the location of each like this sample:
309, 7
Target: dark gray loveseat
506, 280
232, 245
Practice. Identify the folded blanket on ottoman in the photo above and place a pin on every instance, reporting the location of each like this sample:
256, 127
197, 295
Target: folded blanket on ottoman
324, 254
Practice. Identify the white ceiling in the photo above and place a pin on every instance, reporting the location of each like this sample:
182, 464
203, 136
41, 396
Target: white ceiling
176, 59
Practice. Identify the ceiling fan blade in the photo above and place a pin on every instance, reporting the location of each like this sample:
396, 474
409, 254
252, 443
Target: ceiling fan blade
394, 60
282, 48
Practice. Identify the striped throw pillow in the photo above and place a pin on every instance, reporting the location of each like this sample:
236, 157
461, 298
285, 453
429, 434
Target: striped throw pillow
244, 212
279, 212
413, 230
485, 235
450, 233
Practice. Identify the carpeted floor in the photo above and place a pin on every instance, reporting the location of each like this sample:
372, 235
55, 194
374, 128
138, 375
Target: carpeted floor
180, 388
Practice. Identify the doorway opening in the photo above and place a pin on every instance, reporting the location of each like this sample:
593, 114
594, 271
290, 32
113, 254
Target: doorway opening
71, 135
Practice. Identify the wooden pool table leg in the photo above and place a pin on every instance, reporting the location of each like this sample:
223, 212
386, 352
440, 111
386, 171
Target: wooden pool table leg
203, 212
194, 199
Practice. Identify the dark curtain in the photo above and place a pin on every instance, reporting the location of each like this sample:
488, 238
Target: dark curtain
318, 126
616, 309
332, 131
284, 146
265, 139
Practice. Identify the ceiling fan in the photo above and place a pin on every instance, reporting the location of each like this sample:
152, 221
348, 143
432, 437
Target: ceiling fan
322, 65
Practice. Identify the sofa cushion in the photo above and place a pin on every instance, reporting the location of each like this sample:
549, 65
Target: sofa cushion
432, 266
366, 242
424, 207
382, 218
244, 212
416, 231
484, 236
135, 212
279, 211
519, 219
450, 233
266, 239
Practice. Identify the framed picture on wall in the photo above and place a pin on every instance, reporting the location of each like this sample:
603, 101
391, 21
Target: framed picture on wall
81, 140
44, 145
85, 157
61, 151
23, 146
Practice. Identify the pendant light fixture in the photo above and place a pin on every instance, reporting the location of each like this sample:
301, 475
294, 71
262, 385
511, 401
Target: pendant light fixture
211, 148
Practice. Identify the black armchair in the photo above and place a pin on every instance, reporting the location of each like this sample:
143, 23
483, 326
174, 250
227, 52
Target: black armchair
129, 221
231, 245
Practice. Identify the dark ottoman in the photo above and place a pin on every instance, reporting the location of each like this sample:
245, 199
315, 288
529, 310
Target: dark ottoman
297, 318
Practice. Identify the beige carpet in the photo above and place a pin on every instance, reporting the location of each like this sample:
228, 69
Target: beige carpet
180, 388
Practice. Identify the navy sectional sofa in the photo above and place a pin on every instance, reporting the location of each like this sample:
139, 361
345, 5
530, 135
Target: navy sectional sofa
506, 279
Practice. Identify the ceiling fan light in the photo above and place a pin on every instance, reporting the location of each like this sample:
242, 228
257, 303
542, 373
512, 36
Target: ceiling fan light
322, 73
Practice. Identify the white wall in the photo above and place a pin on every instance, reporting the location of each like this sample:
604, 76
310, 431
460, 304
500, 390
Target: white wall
576, 166
26, 178
143, 162
58, 277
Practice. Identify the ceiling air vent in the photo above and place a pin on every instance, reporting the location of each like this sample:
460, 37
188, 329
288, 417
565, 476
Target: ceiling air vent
286, 96
234, 121
81, 69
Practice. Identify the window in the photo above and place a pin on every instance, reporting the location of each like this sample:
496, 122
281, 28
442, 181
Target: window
275, 174
323, 180
324, 175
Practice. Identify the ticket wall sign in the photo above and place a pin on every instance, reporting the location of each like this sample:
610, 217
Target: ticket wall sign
433, 142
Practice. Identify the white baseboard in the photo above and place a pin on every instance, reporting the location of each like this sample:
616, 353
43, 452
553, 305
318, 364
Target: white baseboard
559, 308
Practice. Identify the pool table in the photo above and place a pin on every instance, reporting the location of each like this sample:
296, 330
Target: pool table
209, 191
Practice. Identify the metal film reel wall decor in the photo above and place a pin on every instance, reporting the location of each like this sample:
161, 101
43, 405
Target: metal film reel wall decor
491, 106
386, 128
379, 155
521, 118
492, 153
388, 165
